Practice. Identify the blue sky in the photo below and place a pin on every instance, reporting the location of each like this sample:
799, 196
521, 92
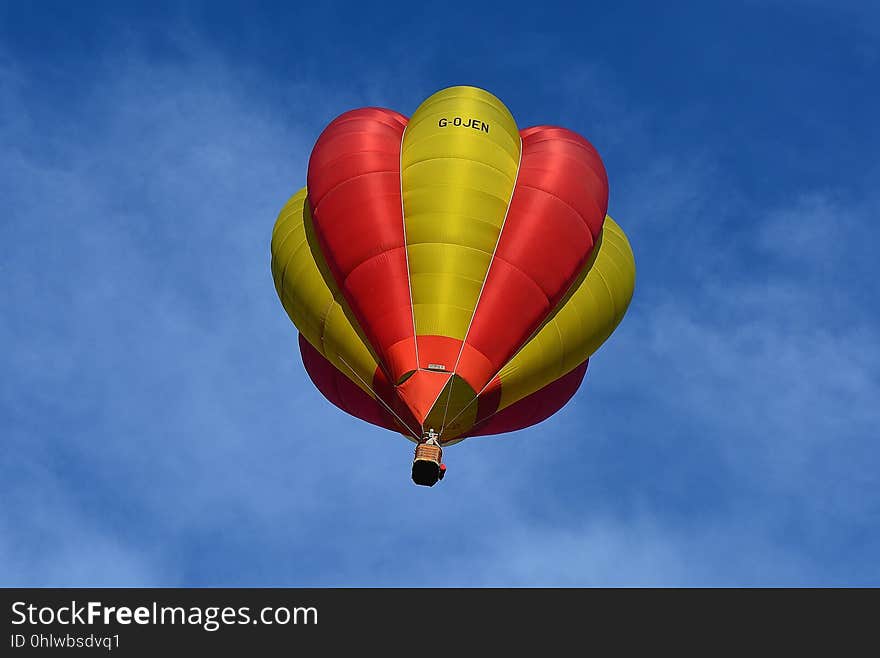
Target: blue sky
156, 424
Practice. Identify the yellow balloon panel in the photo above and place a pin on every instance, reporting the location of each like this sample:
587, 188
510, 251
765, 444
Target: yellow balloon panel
459, 161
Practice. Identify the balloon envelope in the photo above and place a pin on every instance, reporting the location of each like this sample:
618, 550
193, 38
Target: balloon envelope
449, 270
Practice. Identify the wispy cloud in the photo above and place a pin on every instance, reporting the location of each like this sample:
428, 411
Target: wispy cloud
158, 428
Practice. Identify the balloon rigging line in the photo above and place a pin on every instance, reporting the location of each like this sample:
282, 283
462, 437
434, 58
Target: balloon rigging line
483, 390
384, 404
480, 295
412, 309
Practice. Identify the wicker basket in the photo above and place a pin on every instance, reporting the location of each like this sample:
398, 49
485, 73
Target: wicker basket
429, 453
426, 468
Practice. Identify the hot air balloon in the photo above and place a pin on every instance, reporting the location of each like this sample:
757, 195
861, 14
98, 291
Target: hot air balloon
449, 274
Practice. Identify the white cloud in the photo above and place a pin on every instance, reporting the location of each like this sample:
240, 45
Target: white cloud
163, 431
